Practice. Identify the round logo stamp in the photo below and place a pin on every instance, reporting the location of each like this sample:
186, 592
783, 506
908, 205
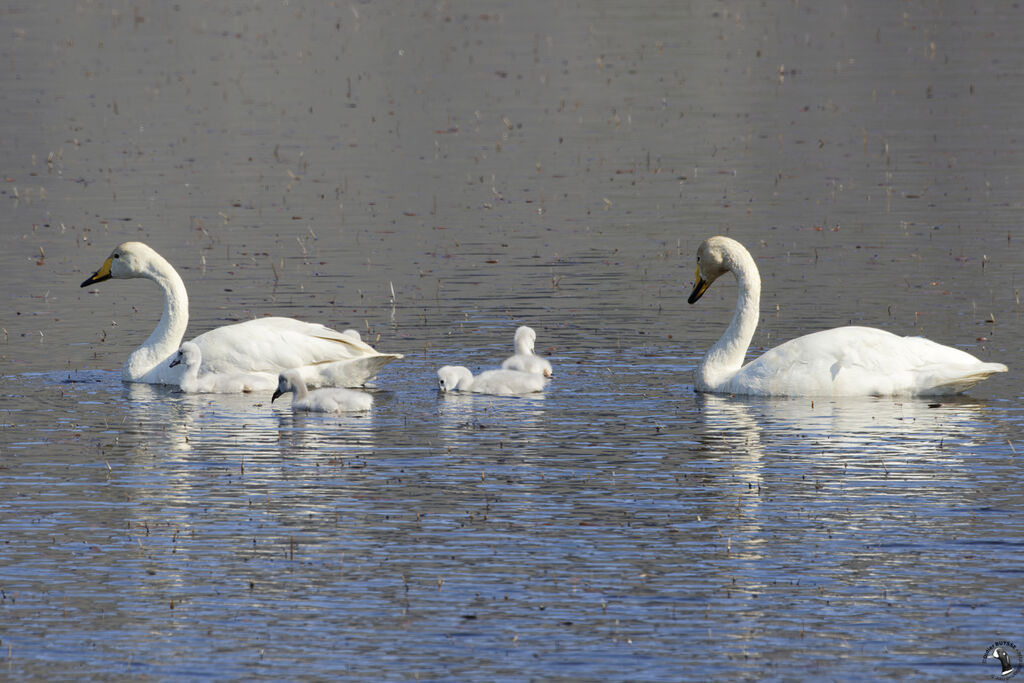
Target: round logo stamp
1008, 657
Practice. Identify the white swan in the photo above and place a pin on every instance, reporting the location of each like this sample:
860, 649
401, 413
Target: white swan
329, 400
844, 361
190, 356
497, 382
270, 345
525, 360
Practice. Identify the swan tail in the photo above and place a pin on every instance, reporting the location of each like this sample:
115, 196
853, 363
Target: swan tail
346, 373
357, 345
954, 379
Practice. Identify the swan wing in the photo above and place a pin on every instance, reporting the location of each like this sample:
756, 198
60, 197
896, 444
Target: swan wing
275, 344
230, 383
528, 363
507, 382
334, 401
346, 373
861, 361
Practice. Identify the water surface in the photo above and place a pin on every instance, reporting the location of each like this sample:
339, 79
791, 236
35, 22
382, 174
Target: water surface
435, 176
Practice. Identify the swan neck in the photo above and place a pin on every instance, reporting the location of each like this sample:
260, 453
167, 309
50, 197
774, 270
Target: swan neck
726, 357
166, 338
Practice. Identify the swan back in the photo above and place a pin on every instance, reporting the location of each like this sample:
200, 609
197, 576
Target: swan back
335, 400
529, 362
274, 344
508, 382
496, 382
859, 361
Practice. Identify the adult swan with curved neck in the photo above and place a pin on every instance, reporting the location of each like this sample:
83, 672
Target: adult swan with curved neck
322, 355
843, 361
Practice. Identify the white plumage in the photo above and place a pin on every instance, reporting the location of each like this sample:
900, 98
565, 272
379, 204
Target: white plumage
327, 400
266, 345
190, 357
497, 382
844, 361
525, 360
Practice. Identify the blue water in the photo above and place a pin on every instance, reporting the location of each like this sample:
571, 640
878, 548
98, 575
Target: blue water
434, 176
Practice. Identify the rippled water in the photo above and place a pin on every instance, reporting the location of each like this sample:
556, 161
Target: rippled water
435, 176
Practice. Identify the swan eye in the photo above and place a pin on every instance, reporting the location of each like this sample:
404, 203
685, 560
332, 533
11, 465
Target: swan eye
117, 256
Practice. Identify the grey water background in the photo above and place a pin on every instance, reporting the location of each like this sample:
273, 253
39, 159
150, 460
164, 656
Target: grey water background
435, 175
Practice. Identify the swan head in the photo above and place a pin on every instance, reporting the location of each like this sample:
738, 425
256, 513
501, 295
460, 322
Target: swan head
130, 259
525, 339
189, 354
714, 259
451, 376
287, 381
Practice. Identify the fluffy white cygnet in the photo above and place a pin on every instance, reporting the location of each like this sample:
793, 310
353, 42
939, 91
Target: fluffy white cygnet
525, 360
497, 382
190, 357
326, 400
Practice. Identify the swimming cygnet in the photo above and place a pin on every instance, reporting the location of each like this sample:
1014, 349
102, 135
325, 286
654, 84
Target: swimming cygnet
326, 400
498, 382
190, 356
525, 360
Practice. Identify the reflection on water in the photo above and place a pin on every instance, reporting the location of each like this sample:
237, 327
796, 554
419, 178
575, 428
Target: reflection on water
463, 414
906, 432
310, 432
841, 493
636, 509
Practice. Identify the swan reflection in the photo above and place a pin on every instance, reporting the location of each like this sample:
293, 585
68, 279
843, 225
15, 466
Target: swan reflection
462, 414
854, 431
345, 434
811, 482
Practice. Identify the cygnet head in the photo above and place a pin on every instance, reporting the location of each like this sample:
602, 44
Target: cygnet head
189, 355
287, 381
451, 376
714, 259
130, 259
525, 339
